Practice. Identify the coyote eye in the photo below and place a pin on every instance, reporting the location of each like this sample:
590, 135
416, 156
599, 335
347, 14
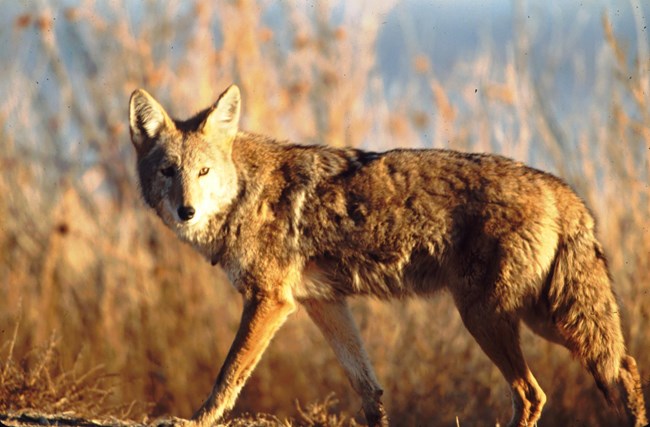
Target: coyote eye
204, 171
169, 171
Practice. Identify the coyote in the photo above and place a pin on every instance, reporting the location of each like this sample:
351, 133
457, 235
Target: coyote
311, 225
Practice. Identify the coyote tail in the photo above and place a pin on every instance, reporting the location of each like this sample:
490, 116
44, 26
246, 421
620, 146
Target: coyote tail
584, 307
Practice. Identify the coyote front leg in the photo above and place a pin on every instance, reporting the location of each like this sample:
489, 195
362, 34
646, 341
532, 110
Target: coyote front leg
335, 321
262, 317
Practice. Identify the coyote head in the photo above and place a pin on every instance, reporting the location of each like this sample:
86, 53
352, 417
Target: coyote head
185, 167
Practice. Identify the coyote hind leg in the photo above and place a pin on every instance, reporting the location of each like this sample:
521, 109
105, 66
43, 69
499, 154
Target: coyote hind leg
630, 393
335, 321
498, 336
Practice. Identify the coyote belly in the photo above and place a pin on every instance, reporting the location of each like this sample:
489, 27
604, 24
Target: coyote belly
294, 224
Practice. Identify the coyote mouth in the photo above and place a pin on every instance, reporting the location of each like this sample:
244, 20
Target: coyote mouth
186, 225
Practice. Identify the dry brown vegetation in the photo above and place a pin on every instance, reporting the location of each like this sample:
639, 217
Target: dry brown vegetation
103, 311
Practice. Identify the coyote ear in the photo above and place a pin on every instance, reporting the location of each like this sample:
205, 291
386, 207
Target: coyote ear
223, 117
147, 118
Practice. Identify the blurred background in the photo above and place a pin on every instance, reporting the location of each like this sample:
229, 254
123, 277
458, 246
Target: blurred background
103, 311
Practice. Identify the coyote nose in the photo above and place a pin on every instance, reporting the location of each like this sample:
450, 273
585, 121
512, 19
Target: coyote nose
186, 213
